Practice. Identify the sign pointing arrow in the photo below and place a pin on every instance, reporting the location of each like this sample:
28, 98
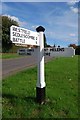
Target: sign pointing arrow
20, 35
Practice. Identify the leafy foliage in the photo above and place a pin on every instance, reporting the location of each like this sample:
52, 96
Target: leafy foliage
73, 45
45, 43
6, 24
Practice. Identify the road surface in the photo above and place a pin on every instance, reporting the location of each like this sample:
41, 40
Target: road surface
11, 66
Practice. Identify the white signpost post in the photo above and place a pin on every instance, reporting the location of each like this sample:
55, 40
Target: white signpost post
26, 37
40, 89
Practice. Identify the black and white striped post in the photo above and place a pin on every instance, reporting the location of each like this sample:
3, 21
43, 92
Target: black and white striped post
40, 89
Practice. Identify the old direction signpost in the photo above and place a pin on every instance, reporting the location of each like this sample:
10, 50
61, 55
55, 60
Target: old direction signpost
27, 37
23, 37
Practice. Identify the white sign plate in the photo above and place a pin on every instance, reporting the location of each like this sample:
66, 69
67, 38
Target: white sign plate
20, 35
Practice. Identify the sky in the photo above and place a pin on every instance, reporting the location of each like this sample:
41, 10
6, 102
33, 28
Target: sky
60, 19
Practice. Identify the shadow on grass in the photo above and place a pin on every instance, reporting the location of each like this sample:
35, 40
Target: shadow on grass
29, 99
12, 98
8, 96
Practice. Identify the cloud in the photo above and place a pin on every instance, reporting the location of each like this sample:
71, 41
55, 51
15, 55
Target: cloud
72, 34
23, 23
16, 19
34, 26
74, 9
12, 17
72, 2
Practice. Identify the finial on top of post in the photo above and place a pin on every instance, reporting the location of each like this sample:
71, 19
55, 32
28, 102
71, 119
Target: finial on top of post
40, 29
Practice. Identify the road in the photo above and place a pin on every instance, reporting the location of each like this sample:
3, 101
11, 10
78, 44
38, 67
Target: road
11, 66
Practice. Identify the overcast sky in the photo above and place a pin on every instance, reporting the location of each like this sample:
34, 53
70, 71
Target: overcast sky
60, 19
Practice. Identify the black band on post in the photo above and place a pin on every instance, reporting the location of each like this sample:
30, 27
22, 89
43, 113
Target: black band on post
40, 95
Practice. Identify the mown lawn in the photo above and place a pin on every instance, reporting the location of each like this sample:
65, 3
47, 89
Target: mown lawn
19, 91
10, 55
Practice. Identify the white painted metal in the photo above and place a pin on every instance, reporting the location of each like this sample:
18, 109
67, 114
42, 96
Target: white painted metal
41, 79
22, 36
68, 52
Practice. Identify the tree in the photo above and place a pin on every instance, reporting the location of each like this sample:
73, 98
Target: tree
45, 43
73, 45
6, 24
54, 46
48, 45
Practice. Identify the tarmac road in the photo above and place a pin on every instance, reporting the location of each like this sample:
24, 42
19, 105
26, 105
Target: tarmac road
11, 66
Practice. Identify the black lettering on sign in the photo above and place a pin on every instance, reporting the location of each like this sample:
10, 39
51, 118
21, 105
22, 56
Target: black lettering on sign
14, 29
26, 36
36, 38
51, 49
36, 42
62, 49
22, 40
32, 37
47, 54
14, 33
28, 32
23, 31
18, 35
58, 49
15, 39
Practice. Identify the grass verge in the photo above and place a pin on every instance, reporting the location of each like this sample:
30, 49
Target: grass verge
19, 90
10, 55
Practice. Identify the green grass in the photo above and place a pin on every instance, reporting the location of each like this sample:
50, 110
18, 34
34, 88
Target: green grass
19, 92
10, 55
